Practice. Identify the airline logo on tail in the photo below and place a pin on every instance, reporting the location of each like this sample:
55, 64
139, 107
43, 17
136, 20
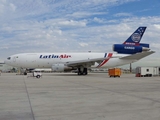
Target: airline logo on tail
135, 38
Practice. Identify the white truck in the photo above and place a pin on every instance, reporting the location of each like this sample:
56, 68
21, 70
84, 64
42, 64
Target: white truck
37, 74
147, 71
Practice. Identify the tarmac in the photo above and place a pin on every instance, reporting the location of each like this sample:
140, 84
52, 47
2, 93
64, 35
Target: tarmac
66, 96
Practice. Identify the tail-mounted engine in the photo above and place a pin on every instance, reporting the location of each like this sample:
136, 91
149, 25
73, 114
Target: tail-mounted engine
130, 49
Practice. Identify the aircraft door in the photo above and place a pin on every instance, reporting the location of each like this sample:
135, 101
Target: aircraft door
14, 59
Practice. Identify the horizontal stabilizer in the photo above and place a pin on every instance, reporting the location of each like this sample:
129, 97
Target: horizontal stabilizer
138, 56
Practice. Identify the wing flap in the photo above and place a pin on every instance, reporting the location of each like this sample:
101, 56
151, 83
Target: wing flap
138, 56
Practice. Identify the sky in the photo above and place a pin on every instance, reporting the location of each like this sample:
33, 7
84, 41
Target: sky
77, 26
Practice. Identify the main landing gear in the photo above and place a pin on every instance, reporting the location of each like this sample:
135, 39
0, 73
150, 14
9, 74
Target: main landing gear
82, 71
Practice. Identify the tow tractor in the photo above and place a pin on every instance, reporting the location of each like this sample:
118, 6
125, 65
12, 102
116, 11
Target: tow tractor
36, 74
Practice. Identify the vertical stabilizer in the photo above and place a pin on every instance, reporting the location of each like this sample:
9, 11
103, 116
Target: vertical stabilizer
135, 38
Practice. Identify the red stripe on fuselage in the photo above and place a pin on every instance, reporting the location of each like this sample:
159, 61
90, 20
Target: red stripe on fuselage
106, 60
130, 43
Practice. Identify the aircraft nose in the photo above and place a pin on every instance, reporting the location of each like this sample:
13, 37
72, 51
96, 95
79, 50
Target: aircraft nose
7, 61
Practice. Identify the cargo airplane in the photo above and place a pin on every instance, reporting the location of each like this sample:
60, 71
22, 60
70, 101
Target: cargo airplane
128, 52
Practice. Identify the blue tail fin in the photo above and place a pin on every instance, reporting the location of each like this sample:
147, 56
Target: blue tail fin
135, 38
132, 45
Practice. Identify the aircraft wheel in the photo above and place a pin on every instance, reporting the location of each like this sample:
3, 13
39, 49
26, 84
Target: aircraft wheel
25, 73
38, 76
85, 71
80, 72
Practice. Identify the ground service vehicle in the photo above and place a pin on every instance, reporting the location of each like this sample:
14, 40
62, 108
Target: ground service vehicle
115, 72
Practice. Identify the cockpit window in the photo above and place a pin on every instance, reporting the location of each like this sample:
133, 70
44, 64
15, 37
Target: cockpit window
9, 58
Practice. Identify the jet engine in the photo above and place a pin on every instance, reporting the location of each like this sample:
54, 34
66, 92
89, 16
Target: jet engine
130, 49
59, 67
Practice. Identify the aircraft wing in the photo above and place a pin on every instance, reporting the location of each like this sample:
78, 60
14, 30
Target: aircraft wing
138, 56
85, 62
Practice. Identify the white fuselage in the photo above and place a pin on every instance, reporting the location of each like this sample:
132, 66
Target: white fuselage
46, 60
